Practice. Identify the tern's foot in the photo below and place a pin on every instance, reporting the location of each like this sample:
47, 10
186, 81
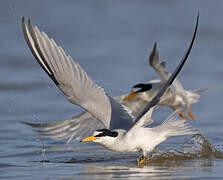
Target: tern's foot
190, 113
182, 115
142, 161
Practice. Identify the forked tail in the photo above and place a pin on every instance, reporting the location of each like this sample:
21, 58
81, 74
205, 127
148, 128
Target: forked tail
201, 90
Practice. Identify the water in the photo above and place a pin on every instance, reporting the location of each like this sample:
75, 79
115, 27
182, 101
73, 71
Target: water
112, 41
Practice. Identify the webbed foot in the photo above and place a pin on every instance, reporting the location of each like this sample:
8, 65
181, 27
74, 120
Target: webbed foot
190, 113
142, 161
181, 114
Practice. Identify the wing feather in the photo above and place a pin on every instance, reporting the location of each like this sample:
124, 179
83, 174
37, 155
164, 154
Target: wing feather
72, 79
79, 126
156, 65
159, 67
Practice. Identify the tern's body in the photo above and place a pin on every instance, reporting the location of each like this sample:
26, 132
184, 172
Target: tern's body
121, 131
134, 142
142, 138
170, 98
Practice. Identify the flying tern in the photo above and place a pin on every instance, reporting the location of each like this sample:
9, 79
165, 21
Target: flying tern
120, 132
175, 97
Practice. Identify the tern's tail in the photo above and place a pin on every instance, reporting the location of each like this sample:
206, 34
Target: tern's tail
174, 126
201, 90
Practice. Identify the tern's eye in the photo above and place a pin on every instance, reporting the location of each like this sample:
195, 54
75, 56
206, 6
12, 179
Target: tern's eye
106, 132
141, 87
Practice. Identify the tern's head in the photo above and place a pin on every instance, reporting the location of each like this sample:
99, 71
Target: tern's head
102, 136
138, 89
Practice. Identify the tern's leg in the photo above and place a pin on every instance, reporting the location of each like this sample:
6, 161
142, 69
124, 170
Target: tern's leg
142, 161
189, 112
181, 114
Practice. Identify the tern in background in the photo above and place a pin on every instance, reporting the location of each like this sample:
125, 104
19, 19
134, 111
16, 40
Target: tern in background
175, 97
121, 132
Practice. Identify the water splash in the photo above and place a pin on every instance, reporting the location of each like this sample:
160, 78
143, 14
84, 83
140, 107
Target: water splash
207, 150
200, 149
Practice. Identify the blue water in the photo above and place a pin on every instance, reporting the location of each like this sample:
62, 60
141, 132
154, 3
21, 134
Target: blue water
112, 41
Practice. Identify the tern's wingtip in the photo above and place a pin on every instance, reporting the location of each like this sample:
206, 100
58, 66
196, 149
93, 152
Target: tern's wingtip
154, 46
155, 43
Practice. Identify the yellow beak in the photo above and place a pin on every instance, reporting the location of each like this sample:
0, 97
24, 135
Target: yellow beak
131, 95
91, 138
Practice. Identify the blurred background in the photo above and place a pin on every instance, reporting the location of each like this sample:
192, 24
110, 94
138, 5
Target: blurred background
112, 41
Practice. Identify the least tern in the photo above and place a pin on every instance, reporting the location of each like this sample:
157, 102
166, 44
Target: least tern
175, 97
121, 131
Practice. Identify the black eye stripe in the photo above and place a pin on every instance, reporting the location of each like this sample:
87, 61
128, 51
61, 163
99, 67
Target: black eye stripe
100, 135
106, 132
142, 87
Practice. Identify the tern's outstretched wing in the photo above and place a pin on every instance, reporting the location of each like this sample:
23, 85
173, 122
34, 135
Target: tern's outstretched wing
156, 99
157, 66
74, 81
77, 127
160, 69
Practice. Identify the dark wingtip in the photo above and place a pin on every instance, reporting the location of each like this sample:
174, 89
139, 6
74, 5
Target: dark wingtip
30, 24
192, 40
198, 18
29, 21
155, 44
152, 54
23, 20
23, 24
28, 123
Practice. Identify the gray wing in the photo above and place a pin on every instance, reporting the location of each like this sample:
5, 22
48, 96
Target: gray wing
72, 128
156, 99
157, 66
74, 81
160, 68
